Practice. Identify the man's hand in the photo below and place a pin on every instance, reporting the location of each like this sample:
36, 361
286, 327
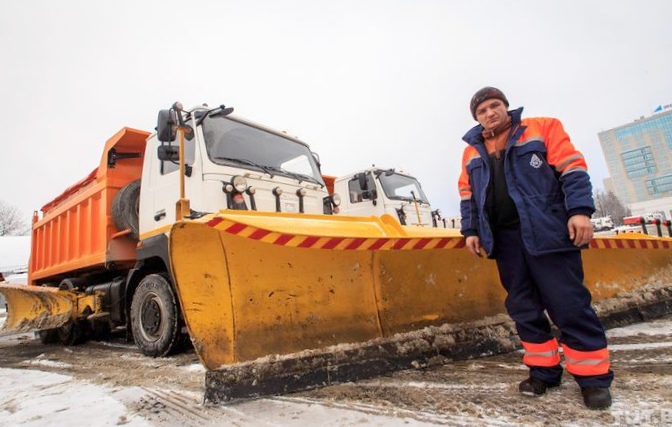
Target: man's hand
580, 229
473, 243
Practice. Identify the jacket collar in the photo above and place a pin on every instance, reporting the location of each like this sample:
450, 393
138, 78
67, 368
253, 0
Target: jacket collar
474, 136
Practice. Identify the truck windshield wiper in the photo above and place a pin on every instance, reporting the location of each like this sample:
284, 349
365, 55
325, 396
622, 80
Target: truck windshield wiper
407, 199
266, 169
298, 176
307, 178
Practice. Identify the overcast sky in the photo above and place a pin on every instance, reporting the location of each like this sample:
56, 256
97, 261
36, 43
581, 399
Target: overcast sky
384, 82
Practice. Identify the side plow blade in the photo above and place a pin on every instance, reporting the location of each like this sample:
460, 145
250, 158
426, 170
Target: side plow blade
280, 302
32, 308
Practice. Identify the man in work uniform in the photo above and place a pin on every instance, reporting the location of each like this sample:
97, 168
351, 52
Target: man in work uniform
526, 201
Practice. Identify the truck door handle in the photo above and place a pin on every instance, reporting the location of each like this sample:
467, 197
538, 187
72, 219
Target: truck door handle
159, 215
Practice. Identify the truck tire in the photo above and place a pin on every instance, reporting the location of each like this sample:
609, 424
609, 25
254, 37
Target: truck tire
72, 333
155, 317
48, 336
125, 208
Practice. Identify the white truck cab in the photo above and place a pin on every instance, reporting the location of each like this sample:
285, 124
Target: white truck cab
602, 223
376, 191
230, 163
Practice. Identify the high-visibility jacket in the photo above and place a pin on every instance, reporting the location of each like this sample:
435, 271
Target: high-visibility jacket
547, 178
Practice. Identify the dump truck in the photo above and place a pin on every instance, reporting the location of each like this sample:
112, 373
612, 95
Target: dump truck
220, 232
376, 191
99, 254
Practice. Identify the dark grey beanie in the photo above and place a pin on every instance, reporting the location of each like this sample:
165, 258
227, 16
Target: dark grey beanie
484, 94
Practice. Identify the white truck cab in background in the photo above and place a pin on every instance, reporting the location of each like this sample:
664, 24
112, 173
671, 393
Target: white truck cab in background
376, 191
602, 223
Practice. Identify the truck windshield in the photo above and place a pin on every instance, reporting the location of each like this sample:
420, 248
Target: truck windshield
399, 187
232, 143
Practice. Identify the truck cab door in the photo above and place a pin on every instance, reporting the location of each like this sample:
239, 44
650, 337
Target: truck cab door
161, 186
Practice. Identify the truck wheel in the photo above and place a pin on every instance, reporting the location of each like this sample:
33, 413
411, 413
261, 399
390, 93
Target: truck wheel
48, 336
125, 207
155, 319
72, 333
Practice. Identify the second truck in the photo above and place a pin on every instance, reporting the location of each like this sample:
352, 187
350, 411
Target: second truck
375, 191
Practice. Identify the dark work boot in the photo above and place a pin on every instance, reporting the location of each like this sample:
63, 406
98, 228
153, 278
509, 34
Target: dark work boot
534, 387
596, 397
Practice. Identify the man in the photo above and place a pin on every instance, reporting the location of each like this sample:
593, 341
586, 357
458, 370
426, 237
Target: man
526, 201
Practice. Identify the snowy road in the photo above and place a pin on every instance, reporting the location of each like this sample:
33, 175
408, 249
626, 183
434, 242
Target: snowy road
100, 384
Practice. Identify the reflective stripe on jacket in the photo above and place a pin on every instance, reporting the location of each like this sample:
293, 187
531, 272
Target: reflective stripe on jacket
546, 177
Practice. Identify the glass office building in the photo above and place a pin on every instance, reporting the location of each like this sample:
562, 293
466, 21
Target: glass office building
639, 158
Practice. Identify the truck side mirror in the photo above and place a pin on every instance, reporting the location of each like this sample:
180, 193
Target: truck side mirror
363, 182
370, 195
165, 126
168, 153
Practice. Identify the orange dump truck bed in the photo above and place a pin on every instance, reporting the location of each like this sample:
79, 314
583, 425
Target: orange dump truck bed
76, 232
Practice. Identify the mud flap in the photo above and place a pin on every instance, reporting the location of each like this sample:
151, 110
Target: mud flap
32, 308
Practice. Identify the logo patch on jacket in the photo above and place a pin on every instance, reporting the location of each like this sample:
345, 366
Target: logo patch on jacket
536, 162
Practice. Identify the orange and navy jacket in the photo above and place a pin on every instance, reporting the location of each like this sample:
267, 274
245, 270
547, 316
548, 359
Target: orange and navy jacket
546, 176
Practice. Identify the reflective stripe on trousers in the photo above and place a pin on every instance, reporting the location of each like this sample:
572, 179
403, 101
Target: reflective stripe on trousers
544, 354
586, 363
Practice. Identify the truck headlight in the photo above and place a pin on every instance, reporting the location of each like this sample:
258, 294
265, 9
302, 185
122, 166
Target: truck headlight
239, 183
336, 199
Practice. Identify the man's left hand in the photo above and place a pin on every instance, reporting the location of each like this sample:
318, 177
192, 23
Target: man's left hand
580, 229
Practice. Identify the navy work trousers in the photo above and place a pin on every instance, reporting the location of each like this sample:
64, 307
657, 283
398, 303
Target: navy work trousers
551, 283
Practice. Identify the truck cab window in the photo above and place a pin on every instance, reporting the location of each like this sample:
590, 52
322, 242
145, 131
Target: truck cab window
232, 143
402, 187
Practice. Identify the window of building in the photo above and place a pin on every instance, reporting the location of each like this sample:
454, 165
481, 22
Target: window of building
659, 186
638, 162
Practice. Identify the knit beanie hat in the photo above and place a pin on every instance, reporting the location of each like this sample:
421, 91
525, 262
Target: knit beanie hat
485, 94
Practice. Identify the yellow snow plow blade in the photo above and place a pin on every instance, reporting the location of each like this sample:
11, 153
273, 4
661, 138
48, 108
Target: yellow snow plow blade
625, 263
31, 308
257, 284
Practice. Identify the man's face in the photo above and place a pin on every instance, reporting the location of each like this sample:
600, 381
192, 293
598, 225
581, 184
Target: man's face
491, 113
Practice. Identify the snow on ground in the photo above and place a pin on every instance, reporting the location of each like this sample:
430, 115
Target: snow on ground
36, 398
32, 394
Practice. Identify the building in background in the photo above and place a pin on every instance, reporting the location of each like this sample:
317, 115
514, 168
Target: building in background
639, 158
